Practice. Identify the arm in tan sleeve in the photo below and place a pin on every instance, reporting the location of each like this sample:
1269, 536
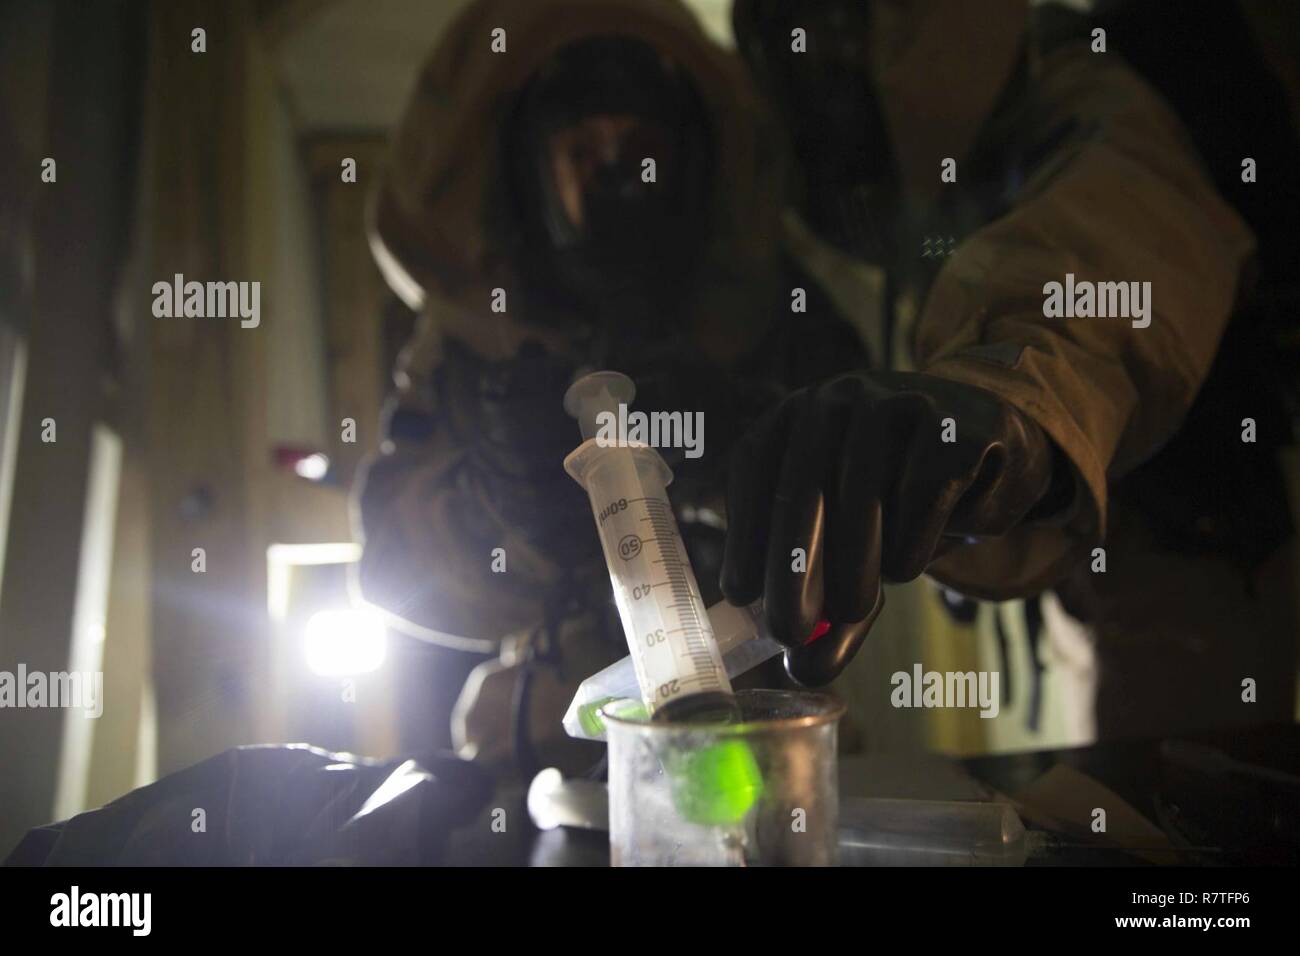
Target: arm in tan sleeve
1123, 200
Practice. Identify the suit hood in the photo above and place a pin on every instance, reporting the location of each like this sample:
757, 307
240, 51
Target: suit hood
440, 221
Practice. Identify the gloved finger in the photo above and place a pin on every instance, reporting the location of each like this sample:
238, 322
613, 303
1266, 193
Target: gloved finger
818, 663
751, 490
792, 585
932, 479
794, 590
854, 524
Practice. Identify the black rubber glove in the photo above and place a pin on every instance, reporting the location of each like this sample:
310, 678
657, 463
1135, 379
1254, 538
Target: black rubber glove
857, 473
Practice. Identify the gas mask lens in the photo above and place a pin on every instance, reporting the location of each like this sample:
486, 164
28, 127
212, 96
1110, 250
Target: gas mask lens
595, 173
610, 145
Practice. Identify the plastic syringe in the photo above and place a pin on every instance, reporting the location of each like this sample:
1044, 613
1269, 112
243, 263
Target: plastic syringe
740, 640
671, 641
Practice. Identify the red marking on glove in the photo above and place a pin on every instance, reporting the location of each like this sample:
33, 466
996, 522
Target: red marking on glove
821, 628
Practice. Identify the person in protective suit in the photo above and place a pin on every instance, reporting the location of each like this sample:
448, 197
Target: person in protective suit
972, 156
520, 218
921, 412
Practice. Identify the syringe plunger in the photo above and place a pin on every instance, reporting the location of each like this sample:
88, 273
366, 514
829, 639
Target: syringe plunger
595, 393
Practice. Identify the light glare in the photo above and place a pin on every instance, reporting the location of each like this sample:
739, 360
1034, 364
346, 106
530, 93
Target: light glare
342, 642
313, 467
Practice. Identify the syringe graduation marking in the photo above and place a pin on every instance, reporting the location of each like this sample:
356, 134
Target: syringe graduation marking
665, 667
696, 646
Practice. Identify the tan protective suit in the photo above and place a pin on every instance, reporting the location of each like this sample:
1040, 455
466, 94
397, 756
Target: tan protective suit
434, 236
1121, 196
1122, 199
441, 232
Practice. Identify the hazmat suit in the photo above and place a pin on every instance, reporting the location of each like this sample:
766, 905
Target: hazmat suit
474, 534
1066, 164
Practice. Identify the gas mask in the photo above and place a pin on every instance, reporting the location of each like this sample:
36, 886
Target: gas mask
599, 238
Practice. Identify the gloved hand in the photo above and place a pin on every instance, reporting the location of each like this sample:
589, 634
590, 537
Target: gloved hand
856, 472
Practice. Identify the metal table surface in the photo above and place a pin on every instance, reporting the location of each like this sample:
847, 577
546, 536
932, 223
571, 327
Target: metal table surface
1135, 770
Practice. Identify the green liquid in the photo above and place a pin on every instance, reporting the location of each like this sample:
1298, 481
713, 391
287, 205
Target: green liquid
716, 786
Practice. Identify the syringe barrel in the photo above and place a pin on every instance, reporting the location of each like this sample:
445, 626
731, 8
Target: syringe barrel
667, 628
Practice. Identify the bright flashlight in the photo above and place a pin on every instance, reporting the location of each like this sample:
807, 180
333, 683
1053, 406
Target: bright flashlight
313, 467
345, 641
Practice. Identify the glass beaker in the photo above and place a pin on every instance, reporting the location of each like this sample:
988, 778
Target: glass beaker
757, 791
